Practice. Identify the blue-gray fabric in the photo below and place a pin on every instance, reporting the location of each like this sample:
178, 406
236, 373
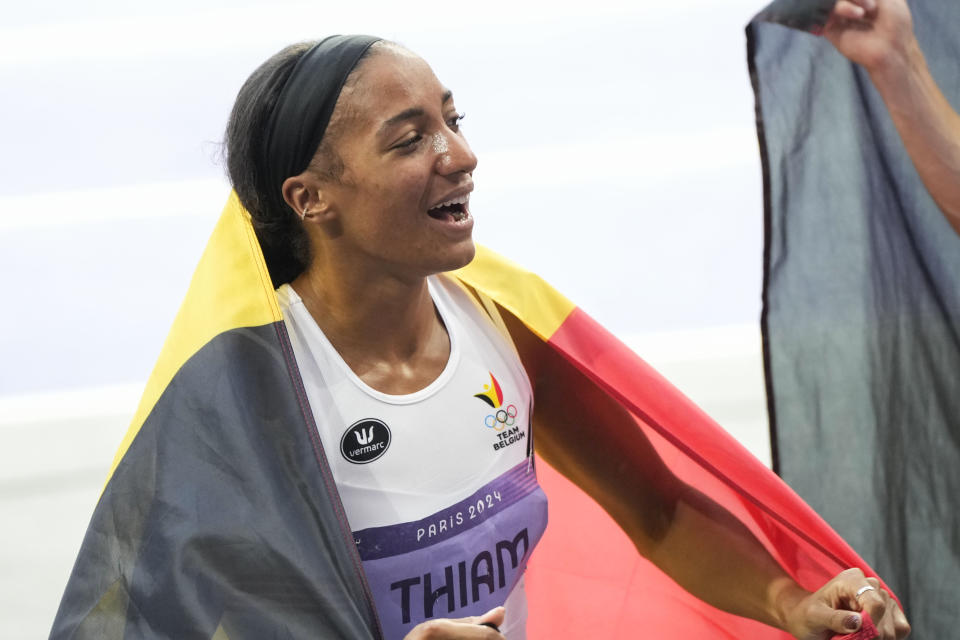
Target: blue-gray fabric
222, 516
808, 15
861, 314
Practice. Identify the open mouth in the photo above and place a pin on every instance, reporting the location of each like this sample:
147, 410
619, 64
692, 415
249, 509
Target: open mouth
451, 211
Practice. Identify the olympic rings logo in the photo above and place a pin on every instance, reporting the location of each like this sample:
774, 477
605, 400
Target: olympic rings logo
502, 418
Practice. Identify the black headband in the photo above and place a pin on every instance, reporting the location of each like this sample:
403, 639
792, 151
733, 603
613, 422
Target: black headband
305, 105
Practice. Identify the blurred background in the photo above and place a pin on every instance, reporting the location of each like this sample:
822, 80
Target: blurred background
618, 158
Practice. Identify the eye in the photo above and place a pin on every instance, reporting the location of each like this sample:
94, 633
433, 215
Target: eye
454, 122
408, 143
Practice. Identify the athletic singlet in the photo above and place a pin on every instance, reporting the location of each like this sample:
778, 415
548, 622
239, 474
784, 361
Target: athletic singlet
438, 485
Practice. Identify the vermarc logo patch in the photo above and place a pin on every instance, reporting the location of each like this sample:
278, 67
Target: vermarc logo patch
365, 441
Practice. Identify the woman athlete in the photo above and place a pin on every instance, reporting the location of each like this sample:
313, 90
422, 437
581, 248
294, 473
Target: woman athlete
369, 205
349, 156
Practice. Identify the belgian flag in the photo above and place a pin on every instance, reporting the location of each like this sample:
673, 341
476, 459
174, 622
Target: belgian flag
220, 518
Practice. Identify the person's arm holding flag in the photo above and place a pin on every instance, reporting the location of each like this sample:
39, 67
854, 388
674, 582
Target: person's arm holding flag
878, 35
594, 441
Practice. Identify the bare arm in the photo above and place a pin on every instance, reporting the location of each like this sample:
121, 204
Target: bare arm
595, 442
878, 34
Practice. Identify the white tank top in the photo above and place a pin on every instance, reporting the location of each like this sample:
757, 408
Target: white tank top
438, 485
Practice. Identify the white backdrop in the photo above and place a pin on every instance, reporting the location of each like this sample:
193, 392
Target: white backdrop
616, 145
618, 158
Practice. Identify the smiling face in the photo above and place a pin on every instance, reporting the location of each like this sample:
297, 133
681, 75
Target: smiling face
402, 201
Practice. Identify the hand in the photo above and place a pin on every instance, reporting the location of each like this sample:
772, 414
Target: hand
835, 609
470, 628
872, 33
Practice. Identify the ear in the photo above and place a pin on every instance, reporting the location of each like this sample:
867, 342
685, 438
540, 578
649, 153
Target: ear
305, 195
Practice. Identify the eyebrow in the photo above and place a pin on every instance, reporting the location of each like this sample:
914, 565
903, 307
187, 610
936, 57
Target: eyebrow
412, 112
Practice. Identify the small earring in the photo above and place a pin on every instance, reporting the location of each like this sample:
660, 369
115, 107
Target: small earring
303, 214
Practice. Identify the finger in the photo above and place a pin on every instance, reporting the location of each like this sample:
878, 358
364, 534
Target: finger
489, 623
900, 624
455, 630
884, 625
886, 630
877, 593
894, 624
841, 621
868, 5
890, 627
860, 593
868, 8
874, 602
495, 617
849, 10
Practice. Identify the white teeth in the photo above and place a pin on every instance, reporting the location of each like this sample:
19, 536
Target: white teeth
464, 199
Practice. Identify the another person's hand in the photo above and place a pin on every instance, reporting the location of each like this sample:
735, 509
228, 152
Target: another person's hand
872, 33
835, 609
470, 628
878, 35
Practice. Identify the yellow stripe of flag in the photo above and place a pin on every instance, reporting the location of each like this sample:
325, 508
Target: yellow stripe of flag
230, 289
526, 295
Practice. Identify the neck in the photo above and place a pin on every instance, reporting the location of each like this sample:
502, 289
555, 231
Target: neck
385, 327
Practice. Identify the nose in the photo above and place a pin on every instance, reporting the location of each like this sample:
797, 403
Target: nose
453, 154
